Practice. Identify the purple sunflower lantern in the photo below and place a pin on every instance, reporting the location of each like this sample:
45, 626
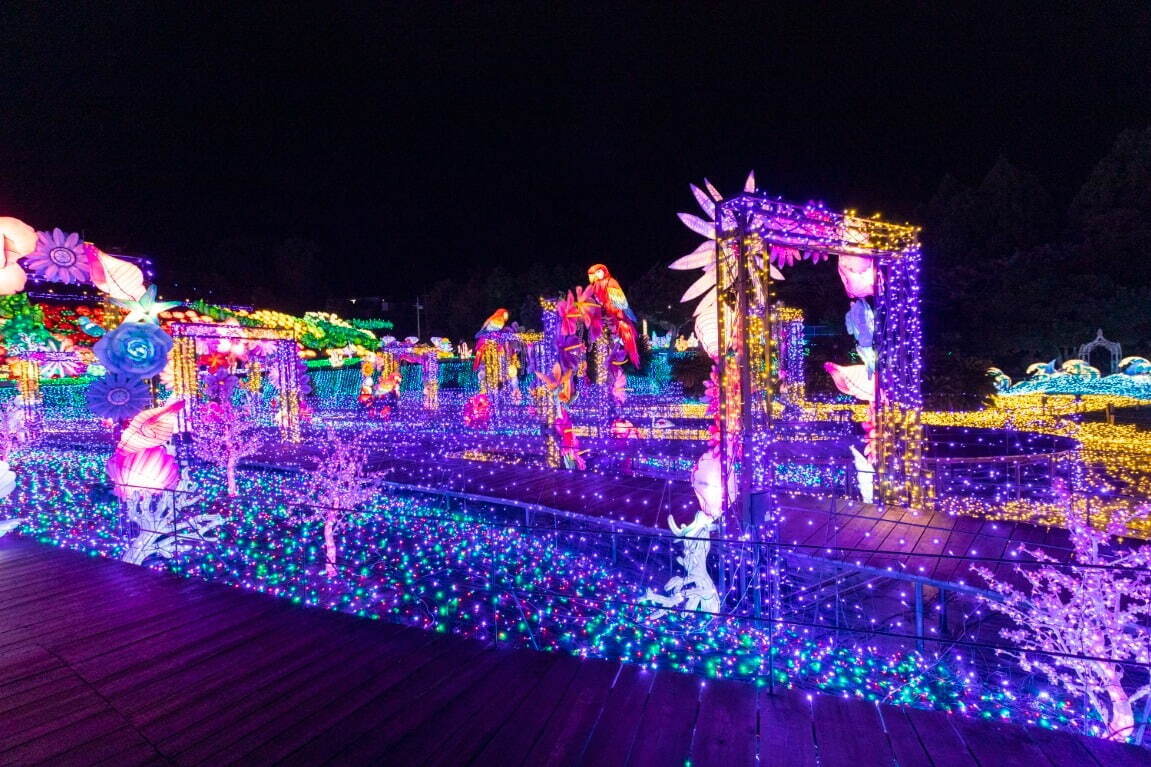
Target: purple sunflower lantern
117, 396
219, 384
60, 257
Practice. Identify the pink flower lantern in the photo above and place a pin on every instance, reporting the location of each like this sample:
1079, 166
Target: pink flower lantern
858, 275
149, 470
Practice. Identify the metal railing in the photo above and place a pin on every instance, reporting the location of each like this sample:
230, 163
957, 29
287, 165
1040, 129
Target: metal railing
527, 575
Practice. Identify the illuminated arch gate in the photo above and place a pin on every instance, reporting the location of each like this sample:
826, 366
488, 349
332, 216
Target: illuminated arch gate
747, 227
280, 363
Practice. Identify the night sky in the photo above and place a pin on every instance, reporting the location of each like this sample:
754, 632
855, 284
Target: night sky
409, 141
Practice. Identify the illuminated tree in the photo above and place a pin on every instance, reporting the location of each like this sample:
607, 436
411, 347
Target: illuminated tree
14, 431
695, 589
335, 487
225, 432
1078, 623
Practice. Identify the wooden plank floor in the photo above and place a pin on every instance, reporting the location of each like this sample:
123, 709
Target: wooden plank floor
926, 544
105, 663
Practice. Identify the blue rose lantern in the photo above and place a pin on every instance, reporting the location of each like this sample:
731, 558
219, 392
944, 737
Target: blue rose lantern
138, 349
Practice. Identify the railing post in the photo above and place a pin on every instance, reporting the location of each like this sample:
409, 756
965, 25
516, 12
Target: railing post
1146, 716
919, 645
771, 652
757, 586
494, 602
741, 569
720, 570
943, 629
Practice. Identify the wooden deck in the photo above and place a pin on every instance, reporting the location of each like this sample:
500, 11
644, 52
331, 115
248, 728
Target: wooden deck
925, 544
104, 663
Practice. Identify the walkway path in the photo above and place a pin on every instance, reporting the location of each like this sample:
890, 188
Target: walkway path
104, 663
926, 544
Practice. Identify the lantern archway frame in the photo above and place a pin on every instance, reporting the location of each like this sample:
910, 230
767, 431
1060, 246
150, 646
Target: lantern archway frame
280, 361
748, 228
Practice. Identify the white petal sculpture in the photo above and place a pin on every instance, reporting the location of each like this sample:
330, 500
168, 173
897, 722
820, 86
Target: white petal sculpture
865, 475
852, 380
695, 590
20, 238
163, 523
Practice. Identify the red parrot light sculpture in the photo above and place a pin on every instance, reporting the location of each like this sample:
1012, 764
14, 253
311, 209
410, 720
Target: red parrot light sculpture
496, 322
492, 324
608, 292
611, 297
627, 335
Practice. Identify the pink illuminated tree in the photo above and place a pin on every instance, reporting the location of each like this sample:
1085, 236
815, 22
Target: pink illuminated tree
14, 431
1078, 623
336, 486
225, 432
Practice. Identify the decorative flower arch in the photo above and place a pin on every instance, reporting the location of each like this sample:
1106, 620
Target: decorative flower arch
133, 351
750, 238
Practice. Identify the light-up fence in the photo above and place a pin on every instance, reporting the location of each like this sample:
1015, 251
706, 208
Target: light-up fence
858, 618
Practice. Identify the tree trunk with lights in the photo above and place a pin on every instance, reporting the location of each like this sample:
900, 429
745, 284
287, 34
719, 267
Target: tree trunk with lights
1078, 623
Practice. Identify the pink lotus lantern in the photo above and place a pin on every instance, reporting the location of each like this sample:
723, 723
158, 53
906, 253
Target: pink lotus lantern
151, 470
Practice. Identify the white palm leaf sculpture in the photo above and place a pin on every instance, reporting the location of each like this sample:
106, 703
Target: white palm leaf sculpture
118, 278
704, 258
